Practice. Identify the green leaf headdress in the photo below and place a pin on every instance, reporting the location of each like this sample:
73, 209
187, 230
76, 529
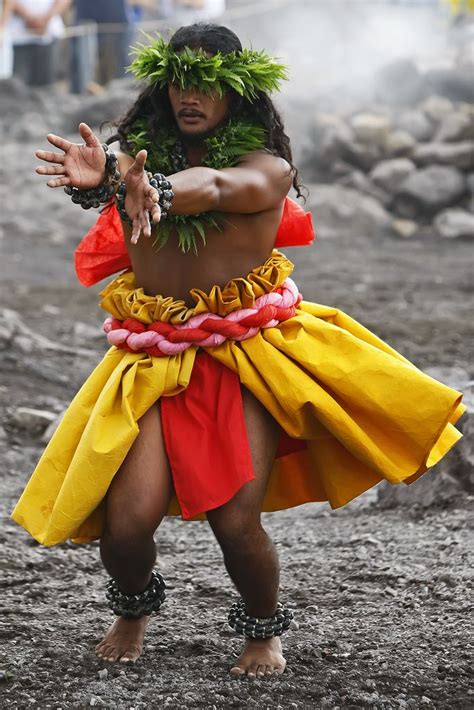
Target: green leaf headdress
246, 71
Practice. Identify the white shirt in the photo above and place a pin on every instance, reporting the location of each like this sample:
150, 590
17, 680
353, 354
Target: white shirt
20, 34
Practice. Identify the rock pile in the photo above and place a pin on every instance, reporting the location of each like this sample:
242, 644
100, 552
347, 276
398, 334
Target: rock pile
407, 159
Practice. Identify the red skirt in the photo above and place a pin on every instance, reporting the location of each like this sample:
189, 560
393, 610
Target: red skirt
206, 438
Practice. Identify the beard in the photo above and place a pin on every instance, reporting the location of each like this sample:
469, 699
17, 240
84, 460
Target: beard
196, 140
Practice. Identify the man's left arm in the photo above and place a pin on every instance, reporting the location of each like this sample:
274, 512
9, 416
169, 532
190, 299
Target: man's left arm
260, 182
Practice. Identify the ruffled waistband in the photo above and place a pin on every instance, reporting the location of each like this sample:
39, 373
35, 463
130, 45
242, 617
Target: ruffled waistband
122, 300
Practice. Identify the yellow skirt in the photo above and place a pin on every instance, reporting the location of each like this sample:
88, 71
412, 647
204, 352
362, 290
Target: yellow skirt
365, 413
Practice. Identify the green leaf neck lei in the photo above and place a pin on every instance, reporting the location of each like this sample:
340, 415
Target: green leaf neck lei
166, 155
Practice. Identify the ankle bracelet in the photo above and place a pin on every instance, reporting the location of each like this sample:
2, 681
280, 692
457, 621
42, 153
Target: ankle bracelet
132, 606
257, 627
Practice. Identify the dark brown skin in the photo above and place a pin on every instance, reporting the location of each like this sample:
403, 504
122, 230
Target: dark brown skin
250, 198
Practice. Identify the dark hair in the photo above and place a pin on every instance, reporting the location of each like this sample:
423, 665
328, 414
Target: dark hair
153, 104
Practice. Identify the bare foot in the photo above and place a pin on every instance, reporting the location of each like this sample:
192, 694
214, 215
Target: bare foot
260, 657
124, 640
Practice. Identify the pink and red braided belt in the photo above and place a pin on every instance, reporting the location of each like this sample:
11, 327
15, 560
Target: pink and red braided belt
206, 329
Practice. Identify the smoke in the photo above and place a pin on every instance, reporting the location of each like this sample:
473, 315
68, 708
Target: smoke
343, 42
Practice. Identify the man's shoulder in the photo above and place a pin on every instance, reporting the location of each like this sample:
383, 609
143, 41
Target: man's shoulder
265, 160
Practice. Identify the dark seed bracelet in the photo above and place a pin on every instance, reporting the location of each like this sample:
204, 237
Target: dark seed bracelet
100, 195
165, 192
120, 203
132, 606
260, 628
165, 196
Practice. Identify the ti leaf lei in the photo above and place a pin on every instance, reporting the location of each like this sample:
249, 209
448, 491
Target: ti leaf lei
166, 155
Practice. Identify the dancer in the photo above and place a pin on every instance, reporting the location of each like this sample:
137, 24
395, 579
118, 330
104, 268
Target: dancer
224, 394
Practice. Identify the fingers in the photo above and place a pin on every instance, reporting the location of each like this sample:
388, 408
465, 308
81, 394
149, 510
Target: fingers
145, 224
59, 182
136, 229
138, 164
155, 213
50, 170
59, 142
89, 138
50, 157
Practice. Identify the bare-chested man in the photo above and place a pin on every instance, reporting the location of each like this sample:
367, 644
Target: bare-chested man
312, 393
251, 197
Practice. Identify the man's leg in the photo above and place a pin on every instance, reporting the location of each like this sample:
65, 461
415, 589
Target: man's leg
137, 501
249, 555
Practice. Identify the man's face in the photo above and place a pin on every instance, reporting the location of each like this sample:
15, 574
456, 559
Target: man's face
197, 114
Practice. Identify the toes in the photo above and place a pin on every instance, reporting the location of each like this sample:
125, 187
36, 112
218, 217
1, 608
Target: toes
237, 671
252, 671
102, 650
269, 670
260, 671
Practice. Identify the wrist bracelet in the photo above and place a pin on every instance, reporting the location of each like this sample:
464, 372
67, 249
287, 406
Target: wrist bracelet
120, 203
165, 192
165, 196
100, 195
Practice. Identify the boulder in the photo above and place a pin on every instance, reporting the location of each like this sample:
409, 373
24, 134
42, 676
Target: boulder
428, 190
399, 143
404, 228
371, 128
416, 123
400, 83
358, 180
34, 421
437, 108
458, 126
388, 174
334, 141
328, 135
455, 223
344, 210
459, 155
453, 82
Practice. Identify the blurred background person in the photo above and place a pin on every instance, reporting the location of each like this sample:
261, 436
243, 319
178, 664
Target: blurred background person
101, 56
6, 49
35, 27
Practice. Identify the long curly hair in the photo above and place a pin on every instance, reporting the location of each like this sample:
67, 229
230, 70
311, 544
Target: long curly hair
154, 107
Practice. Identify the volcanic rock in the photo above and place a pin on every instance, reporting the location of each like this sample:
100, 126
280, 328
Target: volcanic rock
437, 108
399, 143
388, 174
371, 128
455, 223
453, 82
458, 126
342, 209
34, 421
460, 155
428, 190
415, 122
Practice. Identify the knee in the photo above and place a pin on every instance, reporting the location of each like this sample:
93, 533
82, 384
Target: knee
237, 531
126, 533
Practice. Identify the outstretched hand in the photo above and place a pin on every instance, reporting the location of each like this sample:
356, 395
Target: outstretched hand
79, 165
141, 198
